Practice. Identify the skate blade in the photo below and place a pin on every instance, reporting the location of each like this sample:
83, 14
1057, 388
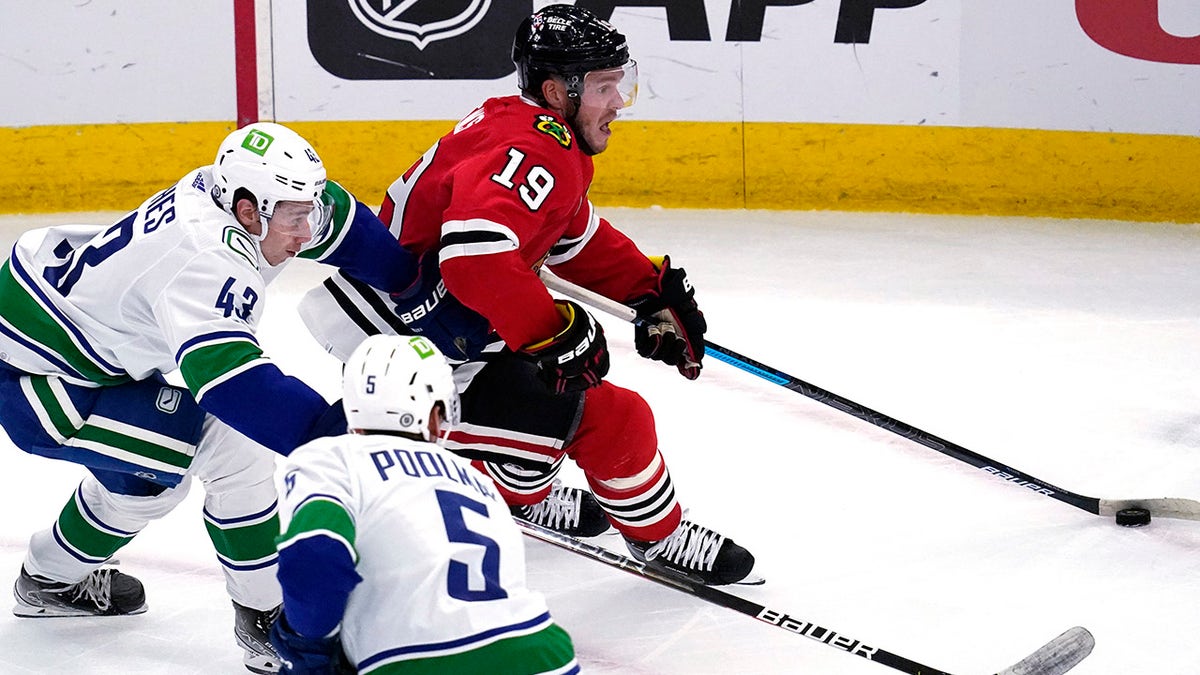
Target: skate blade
53, 612
260, 663
751, 579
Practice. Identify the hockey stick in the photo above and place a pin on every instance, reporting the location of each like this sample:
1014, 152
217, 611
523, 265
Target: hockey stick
1168, 507
1056, 656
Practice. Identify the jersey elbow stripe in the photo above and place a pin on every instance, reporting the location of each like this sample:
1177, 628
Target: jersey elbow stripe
300, 537
207, 364
208, 339
567, 249
343, 212
475, 237
322, 515
225, 377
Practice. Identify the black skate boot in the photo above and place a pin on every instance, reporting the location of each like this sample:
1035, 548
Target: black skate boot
699, 553
251, 627
570, 511
103, 592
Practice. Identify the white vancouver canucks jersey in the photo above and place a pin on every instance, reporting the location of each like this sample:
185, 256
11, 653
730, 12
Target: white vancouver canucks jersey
175, 284
442, 562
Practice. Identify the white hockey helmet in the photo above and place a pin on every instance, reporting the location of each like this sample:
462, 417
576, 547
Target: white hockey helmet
273, 163
393, 383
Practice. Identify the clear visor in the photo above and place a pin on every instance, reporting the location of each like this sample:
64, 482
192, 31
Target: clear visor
300, 219
612, 87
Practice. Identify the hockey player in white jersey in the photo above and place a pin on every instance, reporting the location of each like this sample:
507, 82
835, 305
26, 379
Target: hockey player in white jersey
91, 318
397, 551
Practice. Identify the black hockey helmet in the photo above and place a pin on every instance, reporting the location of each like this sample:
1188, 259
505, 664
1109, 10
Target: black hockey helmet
568, 41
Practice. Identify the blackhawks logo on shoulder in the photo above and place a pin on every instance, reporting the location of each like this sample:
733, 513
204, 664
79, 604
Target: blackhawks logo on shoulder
548, 125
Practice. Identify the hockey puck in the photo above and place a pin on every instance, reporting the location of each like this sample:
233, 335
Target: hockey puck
1133, 517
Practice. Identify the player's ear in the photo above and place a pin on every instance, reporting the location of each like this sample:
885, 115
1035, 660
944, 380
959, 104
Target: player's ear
554, 92
247, 215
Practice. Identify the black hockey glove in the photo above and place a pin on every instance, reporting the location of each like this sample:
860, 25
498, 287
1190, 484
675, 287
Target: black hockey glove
576, 358
671, 327
306, 656
428, 310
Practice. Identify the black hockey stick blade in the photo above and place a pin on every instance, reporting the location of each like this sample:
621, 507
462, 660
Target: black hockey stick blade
1167, 507
1054, 658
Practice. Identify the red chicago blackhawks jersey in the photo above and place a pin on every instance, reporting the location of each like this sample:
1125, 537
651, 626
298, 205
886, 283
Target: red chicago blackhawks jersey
502, 194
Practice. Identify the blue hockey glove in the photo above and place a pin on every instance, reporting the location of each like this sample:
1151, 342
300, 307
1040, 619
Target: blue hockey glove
429, 310
672, 327
303, 655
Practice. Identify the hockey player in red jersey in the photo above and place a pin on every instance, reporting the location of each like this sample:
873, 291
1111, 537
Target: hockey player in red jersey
486, 207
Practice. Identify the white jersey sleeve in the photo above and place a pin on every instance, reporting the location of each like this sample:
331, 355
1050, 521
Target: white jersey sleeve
103, 304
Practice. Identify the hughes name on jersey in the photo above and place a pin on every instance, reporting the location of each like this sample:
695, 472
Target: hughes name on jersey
176, 284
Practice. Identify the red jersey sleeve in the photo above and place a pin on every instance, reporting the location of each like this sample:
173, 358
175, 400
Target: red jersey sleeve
599, 257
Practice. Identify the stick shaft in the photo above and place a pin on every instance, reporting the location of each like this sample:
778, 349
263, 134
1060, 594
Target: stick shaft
1164, 507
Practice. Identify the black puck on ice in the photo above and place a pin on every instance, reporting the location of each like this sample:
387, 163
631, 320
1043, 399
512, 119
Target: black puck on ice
1133, 517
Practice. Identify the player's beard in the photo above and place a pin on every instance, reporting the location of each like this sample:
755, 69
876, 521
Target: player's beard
572, 121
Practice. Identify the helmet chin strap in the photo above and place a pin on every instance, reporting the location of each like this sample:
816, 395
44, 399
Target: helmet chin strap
571, 116
265, 222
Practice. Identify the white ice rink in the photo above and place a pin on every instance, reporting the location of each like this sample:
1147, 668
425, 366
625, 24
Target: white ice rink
1069, 350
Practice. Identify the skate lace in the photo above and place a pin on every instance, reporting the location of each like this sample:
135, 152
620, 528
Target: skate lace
561, 508
95, 588
689, 546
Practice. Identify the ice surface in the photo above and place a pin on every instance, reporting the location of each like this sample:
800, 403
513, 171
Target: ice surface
1066, 349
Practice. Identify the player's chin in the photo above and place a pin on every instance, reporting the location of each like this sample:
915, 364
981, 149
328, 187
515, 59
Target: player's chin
599, 140
280, 258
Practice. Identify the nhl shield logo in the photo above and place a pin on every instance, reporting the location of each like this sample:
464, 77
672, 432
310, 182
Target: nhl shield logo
388, 18
415, 39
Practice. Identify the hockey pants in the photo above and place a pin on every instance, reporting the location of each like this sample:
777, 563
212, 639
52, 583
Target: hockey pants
616, 446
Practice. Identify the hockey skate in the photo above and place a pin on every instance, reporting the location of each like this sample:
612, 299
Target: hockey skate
698, 553
570, 511
103, 592
252, 627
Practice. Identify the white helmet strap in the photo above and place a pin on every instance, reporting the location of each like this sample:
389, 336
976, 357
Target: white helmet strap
265, 223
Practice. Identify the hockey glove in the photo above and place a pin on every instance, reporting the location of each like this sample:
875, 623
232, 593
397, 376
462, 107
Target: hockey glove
576, 358
671, 327
428, 310
303, 655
